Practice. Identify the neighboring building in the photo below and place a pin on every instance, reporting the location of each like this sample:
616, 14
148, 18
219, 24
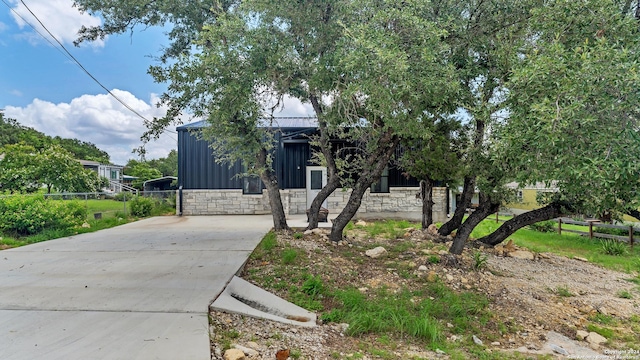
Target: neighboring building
160, 184
128, 179
210, 188
526, 197
111, 172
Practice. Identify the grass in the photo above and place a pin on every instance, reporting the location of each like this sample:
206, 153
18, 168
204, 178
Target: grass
568, 245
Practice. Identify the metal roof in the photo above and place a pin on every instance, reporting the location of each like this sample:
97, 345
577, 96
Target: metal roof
279, 122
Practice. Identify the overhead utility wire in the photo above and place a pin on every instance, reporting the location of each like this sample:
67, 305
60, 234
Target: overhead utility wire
68, 54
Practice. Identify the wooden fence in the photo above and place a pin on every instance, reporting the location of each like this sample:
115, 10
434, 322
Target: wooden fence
591, 224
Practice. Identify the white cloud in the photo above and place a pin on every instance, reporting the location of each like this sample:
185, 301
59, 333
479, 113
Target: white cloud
15, 92
99, 119
60, 17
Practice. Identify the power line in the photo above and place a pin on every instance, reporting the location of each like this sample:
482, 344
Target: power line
70, 56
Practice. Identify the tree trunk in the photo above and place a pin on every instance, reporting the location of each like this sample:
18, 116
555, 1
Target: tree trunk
467, 194
486, 208
376, 163
551, 211
426, 195
333, 181
270, 181
634, 213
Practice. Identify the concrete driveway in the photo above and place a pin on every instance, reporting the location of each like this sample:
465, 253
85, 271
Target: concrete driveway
137, 291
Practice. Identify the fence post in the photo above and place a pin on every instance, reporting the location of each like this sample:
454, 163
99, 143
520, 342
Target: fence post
559, 226
631, 236
496, 217
590, 229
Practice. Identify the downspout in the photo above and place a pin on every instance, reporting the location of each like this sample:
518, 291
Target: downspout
180, 200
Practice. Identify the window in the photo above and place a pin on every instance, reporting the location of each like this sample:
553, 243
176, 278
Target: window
382, 185
316, 179
114, 175
252, 185
519, 196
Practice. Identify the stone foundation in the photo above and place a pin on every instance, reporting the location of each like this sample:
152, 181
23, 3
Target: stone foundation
398, 202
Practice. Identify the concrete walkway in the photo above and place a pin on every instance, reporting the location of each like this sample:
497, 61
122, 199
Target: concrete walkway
137, 291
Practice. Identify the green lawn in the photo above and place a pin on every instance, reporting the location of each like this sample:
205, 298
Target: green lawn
567, 244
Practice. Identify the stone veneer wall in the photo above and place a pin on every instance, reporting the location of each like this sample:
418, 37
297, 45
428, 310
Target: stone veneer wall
232, 202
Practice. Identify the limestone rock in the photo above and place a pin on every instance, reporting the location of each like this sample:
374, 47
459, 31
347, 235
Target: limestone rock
522, 254
376, 252
432, 277
247, 351
361, 223
432, 230
595, 339
581, 334
477, 340
307, 232
580, 259
233, 354
422, 268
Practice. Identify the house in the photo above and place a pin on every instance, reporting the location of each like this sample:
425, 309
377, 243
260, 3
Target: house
209, 188
111, 172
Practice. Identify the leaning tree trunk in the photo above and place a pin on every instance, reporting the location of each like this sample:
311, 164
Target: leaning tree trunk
551, 211
376, 164
426, 195
486, 208
270, 181
634, 213
467, 194
333, 181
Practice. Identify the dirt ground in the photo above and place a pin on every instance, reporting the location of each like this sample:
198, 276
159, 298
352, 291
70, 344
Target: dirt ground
532, 294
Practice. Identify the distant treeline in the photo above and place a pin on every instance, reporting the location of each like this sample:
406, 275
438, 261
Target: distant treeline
12, 132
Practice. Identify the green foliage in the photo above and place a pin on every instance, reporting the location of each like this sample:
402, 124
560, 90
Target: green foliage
26, 215
143, 172
141, 206
313, 286
25, 169
614, 247
394, 312
611, 231
11, 132
563, 291
289, 255
544, 226
605, 332
625, 294
479, 260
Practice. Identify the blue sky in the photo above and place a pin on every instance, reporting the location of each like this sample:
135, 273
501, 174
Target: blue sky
45, 90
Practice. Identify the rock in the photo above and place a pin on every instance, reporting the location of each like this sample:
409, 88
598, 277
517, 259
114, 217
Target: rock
233, 354
432, 277
595, 339
602, 310
422, 268
476, 340
254, 345
449, 277
586, 309
361, 223
557, 349
317, 231
363, 289
376, 252
581, 334
450, 326
307, 232
247, 351
440, 352
495, 343
580, 259
432, 230
522, 254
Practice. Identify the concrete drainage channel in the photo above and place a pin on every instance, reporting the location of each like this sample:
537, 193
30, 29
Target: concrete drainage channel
242, 297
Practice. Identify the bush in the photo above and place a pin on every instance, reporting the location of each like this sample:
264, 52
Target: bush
611, 231
544, 226
26, 215
614, 247
141, 206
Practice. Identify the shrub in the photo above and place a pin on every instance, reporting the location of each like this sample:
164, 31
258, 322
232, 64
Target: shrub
141, 206
614, 247
611, 231
544, 226
26, 215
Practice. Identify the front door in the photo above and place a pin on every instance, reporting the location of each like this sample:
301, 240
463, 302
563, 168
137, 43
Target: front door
316, 180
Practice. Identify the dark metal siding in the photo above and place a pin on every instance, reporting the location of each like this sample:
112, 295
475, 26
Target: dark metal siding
197, 168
